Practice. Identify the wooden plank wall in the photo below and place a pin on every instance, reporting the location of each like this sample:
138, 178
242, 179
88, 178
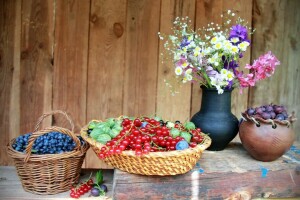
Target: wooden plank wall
101, 58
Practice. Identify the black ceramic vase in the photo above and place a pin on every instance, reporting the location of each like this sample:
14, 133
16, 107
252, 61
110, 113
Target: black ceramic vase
215, 118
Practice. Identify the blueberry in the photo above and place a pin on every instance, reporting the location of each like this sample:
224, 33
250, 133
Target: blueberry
103, 187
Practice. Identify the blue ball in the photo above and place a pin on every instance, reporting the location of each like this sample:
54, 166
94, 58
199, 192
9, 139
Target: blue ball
181, 145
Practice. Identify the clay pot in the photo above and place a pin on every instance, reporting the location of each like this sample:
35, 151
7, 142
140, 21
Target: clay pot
216, 119
266, 140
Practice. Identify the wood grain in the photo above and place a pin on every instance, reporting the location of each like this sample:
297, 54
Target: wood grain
70, 60
217, 176
277, 25
99, 59
36, 66
10, 21
11, 187
172, 107
206, 12
106, 64
141, 57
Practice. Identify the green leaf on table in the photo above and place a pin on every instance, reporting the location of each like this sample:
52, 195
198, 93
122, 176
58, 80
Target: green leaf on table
103, 138
175, 132
187, 136
99, 177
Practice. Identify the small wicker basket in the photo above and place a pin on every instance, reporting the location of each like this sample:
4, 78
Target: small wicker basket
48, 173
153, 163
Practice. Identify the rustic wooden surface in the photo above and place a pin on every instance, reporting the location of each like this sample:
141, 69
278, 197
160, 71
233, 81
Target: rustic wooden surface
217, 175
11, 187
105, 76
101, 59
167, 105
277, 26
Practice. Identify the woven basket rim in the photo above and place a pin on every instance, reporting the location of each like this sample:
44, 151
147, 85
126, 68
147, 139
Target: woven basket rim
199, 148
43, 157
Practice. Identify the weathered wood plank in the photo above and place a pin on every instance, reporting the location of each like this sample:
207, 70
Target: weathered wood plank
217, 175
172, 107
11, 187
36, 62
141, 57
206, 12
277, 25
10, 34
70, 60
106, 64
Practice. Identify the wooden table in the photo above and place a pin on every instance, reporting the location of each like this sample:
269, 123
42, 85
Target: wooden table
218, 175
11, 187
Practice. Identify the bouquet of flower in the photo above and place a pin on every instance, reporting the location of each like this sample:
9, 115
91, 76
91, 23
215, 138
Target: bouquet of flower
210, 56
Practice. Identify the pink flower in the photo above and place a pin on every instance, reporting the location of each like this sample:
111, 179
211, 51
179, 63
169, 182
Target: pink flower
262, 68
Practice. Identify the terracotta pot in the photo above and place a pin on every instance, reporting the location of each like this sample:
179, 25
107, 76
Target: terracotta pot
266, 140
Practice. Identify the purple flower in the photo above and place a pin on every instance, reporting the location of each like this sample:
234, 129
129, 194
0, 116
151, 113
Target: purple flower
229, 86
240, 32
230, 65
185, 42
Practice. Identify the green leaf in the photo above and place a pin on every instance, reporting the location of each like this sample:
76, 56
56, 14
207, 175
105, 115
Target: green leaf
101, 125
110, 122
92, 125
95, 133
189, 125
118, 128
186, 136
99, 177
103, 138
170, 124
175, 132
157, 118
113, 133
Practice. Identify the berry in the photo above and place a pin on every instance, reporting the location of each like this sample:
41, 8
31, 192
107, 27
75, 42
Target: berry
103, 187
181, 145
95, 192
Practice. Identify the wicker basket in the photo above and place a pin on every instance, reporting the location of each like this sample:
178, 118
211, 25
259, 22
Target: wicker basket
49, 173
153, 163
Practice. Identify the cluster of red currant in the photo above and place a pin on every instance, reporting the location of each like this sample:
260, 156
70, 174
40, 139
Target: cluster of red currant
144, 135
81, 189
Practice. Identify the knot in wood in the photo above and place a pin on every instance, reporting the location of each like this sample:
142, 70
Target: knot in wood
118, 29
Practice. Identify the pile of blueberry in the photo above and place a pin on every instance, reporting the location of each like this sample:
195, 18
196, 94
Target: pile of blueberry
49, 143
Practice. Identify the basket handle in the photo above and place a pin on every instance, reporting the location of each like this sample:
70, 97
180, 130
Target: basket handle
35, 135
41, 118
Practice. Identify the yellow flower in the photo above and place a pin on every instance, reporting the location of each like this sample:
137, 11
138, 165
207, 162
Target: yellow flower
189, 71
234, 49
234, 39
178, 71
218, 46
184, 64
197, 51
214, 40
243, 46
